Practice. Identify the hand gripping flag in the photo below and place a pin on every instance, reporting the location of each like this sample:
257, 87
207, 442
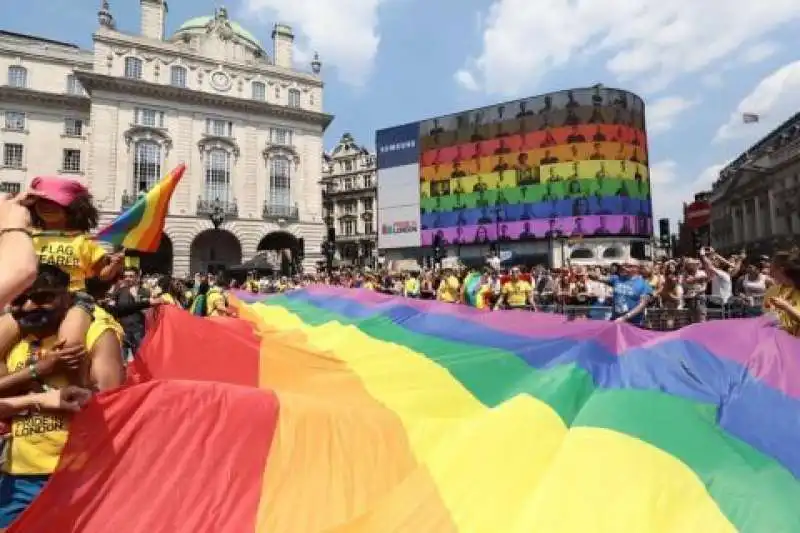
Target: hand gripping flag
140, 227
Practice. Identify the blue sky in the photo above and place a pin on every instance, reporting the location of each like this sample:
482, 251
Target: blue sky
698, 65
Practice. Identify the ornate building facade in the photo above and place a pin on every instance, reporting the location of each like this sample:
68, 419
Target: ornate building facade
349, 196
248, 125
755, 203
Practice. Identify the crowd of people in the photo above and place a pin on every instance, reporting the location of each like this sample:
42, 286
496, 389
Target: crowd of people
75, 314
665, 294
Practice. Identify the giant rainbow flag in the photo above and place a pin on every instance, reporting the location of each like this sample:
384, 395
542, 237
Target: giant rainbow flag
344, 411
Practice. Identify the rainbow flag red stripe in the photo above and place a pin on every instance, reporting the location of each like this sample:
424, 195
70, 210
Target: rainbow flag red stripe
140, 227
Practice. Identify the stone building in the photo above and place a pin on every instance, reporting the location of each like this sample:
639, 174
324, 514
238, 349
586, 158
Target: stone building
755, 203
349, 196
245, 121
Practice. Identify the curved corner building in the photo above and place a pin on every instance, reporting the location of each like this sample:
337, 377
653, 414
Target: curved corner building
549, 179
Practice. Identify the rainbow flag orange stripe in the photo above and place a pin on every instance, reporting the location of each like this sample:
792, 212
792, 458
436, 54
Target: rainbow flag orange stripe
142, 225
345, 411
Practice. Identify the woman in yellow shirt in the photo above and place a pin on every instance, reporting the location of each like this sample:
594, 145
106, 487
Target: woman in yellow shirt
783, 298
62, 212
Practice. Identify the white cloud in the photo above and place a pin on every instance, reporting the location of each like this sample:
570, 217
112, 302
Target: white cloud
759, 52
775, 98
344, 32
466, 80
661, 113
650, 40
670, 190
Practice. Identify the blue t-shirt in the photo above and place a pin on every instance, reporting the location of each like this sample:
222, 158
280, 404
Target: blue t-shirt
628, 292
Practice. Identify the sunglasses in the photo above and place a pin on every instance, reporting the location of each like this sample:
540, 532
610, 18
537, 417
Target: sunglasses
36, 297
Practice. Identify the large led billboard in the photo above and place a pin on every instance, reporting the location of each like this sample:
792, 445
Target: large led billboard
566, 164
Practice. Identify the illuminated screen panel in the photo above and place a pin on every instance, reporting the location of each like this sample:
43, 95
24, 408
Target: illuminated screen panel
561, 165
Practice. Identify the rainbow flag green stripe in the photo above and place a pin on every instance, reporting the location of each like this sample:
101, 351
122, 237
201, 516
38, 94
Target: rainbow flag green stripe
753, 491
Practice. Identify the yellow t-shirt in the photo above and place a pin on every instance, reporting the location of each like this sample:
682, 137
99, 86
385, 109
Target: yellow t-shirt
517, 293
103, 321
412, 287
449, 289
38, 438
75, 254
213, 299
791, 295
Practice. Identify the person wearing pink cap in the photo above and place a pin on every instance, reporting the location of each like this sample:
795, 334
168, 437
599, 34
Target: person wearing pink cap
63, 215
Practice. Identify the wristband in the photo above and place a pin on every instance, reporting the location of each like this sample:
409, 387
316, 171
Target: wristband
4, 231
34, 374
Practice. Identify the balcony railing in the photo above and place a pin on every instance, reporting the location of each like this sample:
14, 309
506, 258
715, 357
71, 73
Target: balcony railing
332, 191
273, 211
128, 199
211, 207
355, 237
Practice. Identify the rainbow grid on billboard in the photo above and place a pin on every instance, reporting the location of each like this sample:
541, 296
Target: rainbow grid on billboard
568, 164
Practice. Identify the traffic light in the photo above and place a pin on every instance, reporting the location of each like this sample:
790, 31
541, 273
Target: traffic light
437, 248
663, 232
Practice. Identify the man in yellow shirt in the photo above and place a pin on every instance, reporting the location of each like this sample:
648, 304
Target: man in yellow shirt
37, 364
449, 290
516, 293
411, 286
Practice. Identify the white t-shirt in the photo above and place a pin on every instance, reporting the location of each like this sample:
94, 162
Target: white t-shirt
695, 284
721, 288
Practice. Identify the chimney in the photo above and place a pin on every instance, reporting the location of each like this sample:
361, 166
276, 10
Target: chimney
283, 45
154, 17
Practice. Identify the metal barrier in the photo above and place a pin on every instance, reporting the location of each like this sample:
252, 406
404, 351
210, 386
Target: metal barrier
655, 318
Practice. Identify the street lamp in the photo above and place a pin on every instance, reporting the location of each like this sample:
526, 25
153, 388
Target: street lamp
217, 213
328, 250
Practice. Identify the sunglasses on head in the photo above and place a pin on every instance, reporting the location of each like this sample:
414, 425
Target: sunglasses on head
37, 297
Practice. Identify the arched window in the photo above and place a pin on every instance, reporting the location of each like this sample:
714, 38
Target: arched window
280, 183
259, 91
612, 253
581, 253
218, 175
17, 76
146, 166
177, 76
133, 68
294, 98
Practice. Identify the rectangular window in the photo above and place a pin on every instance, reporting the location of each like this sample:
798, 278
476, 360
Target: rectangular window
367, 204
367, 180
349, 227
348, 166
368, 227
219, 128
178, 76
350, 208
133, 68
294, 98
280, 196
9, 187
74, 87
15, 121
218, 176
72, 161
348, 184
73, 127
259, 91
280, 136
17, 77
149, 117
12, 155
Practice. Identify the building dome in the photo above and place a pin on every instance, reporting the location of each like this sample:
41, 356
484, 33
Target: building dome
202, 23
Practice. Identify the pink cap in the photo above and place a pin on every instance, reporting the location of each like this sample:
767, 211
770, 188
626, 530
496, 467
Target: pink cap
60, 190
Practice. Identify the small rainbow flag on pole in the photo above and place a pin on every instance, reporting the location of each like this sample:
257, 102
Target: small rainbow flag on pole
140, 227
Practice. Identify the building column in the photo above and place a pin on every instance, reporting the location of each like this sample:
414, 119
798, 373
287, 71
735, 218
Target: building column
757, 216
773, 223
737, 233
